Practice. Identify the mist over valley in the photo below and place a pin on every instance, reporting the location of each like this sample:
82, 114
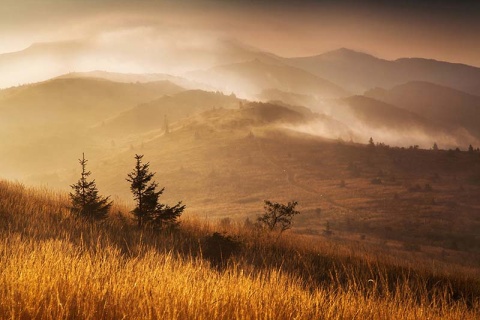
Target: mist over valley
365, 123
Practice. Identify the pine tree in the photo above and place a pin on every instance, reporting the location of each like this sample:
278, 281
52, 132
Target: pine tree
86, 203
148, 210
370, 142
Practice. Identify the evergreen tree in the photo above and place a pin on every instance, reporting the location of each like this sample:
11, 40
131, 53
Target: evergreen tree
86, 202
370, 142
148, 210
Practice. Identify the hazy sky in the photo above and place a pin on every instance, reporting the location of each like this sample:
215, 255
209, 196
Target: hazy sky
441, 30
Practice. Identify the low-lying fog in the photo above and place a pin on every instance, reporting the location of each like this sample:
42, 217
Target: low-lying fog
238, 49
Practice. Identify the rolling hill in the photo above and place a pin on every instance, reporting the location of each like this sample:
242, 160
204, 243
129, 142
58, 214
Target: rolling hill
225, 162
48, 123
135, 77
294, 99
445, 105
252, 77
85, 100
152, 115
229, 155
378, 114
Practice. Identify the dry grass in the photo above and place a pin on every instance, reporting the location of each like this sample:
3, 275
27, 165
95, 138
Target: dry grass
56, 267
237, 171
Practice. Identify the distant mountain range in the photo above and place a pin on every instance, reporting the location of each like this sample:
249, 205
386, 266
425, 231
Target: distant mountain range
358, 72
339, 94
336, 72
43, 61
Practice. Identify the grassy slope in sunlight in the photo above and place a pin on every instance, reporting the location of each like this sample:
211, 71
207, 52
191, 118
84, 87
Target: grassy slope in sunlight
52, 266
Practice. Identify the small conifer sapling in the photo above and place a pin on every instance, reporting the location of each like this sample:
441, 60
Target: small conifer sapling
86, 202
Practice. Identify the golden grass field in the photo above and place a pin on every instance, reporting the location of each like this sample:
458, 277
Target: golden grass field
53, 266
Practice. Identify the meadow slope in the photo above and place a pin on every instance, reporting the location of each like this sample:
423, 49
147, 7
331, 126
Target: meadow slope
55, 267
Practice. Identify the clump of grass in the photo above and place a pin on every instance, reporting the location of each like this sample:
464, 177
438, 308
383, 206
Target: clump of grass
53, 266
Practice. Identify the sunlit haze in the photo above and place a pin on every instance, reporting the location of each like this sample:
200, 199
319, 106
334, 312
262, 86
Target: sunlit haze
336, 58
152, 36
239, 159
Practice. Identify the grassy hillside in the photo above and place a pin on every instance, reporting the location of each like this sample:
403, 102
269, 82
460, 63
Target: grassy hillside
395, 199
53, 266
224, 162
151, 115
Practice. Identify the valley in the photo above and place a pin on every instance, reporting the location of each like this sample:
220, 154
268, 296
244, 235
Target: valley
240, 153
239, 159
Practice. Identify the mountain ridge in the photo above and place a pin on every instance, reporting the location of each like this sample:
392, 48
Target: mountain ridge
359, 72
255, 76
440, 103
